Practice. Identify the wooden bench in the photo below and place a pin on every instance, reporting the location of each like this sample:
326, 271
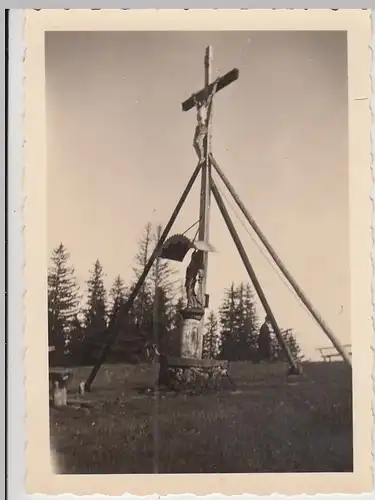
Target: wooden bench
329, 353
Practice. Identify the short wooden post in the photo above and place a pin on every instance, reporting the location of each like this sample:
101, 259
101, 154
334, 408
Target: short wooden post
59, 395
81, 388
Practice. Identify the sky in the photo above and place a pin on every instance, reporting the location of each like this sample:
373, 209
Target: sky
119, 155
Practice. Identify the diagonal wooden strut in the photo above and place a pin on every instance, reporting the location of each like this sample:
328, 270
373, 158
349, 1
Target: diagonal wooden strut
301, 295
251, 273
129, 303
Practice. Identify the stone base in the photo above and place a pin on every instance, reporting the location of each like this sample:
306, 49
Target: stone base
194, 375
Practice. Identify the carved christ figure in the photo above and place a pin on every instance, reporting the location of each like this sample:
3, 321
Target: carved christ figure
194, 274
203, 116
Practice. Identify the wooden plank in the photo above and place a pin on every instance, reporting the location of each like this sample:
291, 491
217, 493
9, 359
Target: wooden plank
225, 80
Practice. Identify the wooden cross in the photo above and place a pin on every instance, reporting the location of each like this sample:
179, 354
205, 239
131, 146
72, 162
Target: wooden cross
223, 82
205, 197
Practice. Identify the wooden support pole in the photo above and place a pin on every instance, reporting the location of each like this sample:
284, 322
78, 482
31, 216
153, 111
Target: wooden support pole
252, 275
155, 309
204, 208
309, 306
205, 196
204, 97
129, 303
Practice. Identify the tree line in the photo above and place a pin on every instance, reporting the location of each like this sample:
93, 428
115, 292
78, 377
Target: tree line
79, 325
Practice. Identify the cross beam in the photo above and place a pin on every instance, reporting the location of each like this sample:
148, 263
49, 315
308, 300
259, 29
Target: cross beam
223, 82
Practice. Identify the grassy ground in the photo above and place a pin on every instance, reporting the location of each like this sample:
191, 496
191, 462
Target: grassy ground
265, 426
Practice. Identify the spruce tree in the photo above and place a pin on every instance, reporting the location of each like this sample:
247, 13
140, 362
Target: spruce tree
121, 326
241, 316
95, 313
161, 276
162, 285
117, 295
142, 310
228, 323
239, 323
76, 346
63, 301
162, 317
247, 322
212, 337
292, 343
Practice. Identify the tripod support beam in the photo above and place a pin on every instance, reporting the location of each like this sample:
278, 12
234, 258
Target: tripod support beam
129, 303
252, 275
301, 295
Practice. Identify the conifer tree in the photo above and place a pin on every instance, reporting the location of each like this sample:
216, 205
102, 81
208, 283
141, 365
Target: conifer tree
228, 323
247, 321
212, 337
121, 326
162, 317
239, 323
63, 301
142, 310
163, 285
117, 295
95, 313
292, 343
76, 346
161, 276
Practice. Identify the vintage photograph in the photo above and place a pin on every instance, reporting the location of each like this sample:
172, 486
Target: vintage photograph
195, 182
199, 286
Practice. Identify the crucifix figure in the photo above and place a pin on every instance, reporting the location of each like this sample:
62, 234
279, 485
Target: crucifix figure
203, 118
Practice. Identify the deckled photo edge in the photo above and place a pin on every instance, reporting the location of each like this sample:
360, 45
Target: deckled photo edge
39, 475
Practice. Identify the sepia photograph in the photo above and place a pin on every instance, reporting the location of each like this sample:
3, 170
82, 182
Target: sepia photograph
199, 285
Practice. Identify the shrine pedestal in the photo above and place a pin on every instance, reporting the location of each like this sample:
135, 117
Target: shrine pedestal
190, 342
187, 371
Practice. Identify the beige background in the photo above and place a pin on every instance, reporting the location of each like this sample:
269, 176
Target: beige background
40, 477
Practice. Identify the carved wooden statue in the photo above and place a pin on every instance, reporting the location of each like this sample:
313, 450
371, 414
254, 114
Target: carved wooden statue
194, 275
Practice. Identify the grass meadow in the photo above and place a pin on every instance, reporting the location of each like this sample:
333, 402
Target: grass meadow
267, 425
